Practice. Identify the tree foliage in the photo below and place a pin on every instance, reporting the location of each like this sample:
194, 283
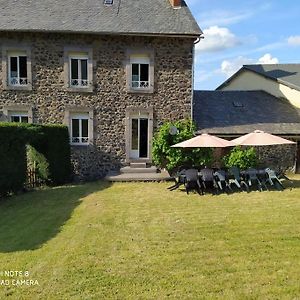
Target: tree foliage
170, 158
38, 162
242, 158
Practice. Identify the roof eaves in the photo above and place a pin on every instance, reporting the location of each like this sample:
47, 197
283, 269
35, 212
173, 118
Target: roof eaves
227, 81
182, 35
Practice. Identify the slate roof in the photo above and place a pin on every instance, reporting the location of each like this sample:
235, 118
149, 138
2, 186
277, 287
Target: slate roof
240, 112
288, 74
154, 17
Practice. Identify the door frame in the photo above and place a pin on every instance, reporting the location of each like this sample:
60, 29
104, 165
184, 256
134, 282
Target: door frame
134, 112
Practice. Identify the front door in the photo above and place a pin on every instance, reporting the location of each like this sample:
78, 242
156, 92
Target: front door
139, 148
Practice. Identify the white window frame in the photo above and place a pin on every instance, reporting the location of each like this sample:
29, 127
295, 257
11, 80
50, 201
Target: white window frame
139, 60
19, 80
19, 115
80, 117
79, 79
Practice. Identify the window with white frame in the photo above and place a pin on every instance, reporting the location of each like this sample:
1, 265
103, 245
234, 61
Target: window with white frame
140, 71
17, 69
18, 117
79, 71
79, 128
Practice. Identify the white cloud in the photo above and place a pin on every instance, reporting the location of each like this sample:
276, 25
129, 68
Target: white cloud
268, 59
217, 39
229, 67
222, 17
294, 40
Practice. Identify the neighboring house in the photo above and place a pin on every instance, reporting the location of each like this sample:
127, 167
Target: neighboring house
230, 114
112, 71
279, 80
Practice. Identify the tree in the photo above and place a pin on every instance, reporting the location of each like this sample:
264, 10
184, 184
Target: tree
172, 133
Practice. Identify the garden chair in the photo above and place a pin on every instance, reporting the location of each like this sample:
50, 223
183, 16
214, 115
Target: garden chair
222, 183
192, 181
263, 177
179, 179
236, 178
252, 178
208, 179
273, 180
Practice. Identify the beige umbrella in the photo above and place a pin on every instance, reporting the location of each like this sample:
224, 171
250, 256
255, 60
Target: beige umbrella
205, 141
261, 138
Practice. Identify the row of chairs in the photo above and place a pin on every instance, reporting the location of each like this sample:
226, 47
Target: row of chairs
219, 180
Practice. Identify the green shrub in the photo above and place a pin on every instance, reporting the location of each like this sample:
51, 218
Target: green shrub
38, 162
170, 158
242, 158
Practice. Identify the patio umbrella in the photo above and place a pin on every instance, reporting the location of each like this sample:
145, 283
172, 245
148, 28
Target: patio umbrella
205, 141
261, 138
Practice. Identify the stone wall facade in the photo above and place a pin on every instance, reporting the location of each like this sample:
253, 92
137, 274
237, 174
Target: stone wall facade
109, 97
278, 157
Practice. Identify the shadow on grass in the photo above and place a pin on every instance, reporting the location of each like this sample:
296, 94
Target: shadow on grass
28, 221
292, 184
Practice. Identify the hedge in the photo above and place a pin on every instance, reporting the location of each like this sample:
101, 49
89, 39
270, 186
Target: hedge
12, 158
54, 144
51, 140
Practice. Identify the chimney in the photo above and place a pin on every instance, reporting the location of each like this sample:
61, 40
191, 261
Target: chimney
176, 3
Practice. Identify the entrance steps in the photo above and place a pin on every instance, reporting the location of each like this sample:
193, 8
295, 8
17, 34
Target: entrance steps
138, 172
133, 170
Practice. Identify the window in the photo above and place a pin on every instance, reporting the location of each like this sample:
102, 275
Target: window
79, 71
18, 117
79, 129
139, 66
17, 69
140, 75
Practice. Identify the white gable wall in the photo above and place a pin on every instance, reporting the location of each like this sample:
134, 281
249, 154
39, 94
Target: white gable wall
249, 81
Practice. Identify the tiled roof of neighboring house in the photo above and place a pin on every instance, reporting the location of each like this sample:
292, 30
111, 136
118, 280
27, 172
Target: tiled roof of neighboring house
153, 17
240, 112
288, 74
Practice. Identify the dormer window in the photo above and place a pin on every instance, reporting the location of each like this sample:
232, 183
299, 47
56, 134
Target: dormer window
108, 2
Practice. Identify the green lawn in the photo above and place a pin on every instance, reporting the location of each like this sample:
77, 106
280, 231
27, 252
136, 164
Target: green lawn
140, 241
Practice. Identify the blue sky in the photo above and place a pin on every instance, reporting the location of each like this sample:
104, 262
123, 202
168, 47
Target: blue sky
243, 32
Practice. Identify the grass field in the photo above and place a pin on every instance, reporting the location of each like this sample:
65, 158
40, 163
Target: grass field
140, 241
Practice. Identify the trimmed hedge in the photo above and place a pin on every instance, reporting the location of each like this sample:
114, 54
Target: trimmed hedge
50, 140
54, 144
12, 158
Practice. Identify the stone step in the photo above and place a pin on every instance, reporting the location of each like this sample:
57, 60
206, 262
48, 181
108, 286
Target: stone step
137, 165
127, 170
129, 177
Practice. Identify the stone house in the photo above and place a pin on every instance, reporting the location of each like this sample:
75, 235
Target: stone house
112, 71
